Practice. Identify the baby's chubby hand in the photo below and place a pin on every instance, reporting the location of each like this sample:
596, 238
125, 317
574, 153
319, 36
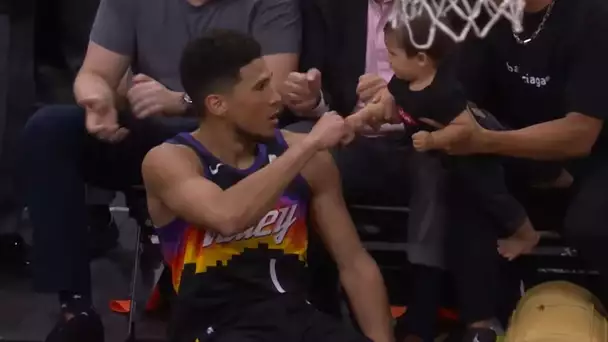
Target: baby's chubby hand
422, 141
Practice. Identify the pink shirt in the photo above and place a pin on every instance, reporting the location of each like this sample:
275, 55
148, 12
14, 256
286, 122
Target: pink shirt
376, 61
376, 58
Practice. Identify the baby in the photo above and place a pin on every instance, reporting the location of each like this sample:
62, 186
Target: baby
424, 94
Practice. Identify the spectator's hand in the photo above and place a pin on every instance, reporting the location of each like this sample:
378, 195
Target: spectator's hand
148, 97
369, 86
475, 143
101, 118
329, 131
301, 92
422, 141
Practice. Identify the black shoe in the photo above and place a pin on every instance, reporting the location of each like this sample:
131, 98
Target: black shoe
102, 239
14, 254
84, 326
479, 335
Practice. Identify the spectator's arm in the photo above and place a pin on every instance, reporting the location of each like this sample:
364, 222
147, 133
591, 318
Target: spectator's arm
315, 54
569, 137
359, 273
322, 107
575, 134
110, 49
457, 130
277, 27
123, 87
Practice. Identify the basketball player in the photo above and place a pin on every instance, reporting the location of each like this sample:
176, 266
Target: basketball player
232, 199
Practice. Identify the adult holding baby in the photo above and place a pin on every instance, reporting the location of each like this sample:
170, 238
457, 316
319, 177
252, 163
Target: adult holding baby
547, 84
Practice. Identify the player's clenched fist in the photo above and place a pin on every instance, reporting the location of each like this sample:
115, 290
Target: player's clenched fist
329, 131
422, 141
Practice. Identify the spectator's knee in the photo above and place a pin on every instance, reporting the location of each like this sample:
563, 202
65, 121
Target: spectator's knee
55, 122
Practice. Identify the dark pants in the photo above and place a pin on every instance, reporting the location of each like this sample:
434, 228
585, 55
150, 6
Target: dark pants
479, 271
17, 97
60, 158
485, 180
281, 319
426, 220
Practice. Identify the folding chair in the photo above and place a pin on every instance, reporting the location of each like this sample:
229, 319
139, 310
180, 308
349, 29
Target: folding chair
147, 258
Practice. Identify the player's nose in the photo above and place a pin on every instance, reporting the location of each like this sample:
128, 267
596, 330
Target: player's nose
275, 97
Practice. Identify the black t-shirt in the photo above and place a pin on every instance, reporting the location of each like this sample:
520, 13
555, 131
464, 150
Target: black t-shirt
563, 70
442, 101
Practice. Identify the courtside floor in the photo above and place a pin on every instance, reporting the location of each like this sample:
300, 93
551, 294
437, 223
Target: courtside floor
26, 316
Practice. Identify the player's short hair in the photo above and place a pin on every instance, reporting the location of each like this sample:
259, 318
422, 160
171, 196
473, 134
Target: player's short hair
420, 27
214, 61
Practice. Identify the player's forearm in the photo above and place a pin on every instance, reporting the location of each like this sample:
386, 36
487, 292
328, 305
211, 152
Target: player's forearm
367, 294
553, 140
253, 196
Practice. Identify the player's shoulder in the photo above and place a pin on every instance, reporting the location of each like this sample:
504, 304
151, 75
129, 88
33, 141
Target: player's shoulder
292, 138
170, 157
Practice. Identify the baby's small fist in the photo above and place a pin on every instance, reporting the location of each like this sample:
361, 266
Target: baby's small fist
422, 141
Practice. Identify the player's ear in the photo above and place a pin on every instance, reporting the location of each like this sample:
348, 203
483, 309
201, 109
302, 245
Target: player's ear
216, 104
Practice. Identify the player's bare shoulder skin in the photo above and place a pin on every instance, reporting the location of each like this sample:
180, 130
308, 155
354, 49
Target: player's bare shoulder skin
177, 159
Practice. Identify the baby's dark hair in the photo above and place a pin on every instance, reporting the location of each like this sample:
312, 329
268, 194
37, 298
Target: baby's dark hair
420, 27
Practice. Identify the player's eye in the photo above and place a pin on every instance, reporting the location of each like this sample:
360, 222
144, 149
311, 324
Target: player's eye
262, 85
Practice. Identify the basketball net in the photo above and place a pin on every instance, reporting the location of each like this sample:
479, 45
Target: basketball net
468, 11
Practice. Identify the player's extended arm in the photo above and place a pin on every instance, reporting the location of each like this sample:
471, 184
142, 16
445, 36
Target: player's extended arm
569, 137
359, 273
459, 129
173, 174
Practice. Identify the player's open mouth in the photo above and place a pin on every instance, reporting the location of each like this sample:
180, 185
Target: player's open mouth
274, 118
